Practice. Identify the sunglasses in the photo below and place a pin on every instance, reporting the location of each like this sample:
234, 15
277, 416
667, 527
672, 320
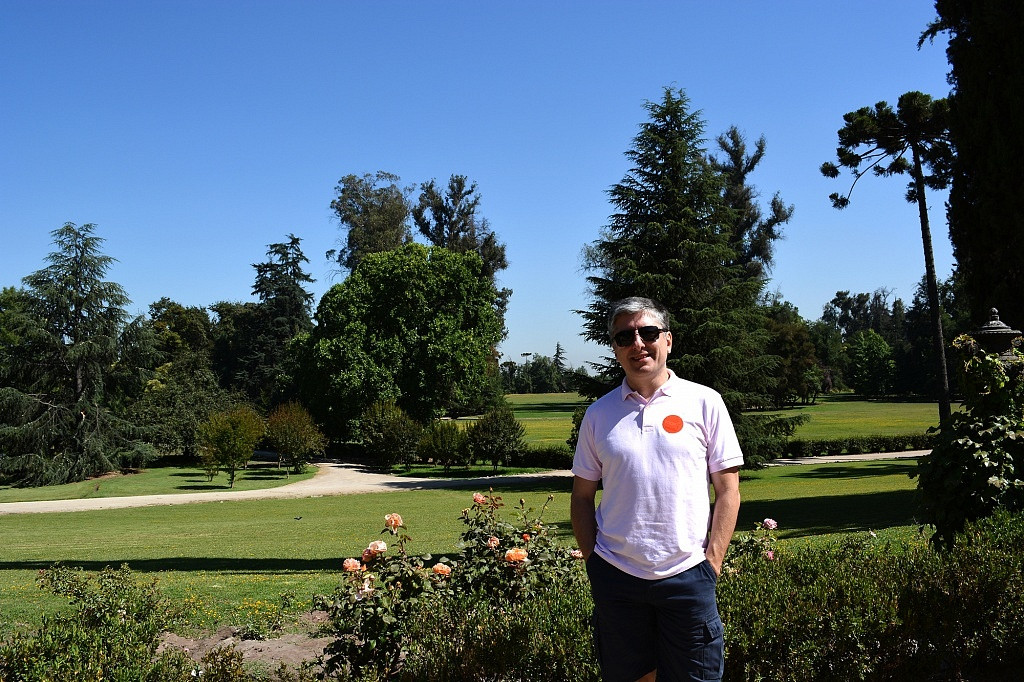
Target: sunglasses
627, 336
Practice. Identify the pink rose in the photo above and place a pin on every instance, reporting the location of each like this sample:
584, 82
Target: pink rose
493, 542
576, 553
351, 565
393, 522
478, 498
442, 569
516, 554
769, 555
770, 524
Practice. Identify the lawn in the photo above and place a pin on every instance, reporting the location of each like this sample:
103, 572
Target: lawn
548, 417
213, 558
159, 480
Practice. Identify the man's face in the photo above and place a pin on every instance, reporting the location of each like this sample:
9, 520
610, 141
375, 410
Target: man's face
642, 360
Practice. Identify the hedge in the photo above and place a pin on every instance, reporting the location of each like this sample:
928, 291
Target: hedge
855, 445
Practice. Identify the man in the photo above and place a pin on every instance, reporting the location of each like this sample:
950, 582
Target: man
653, 547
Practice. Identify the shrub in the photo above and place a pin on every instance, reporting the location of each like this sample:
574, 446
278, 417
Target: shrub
386, 614
497, 437
445, 443
111, 634
229, 439
292, 432
389, 435
975, 465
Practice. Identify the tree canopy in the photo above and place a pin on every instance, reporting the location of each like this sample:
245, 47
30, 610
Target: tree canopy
374, 210
416, 325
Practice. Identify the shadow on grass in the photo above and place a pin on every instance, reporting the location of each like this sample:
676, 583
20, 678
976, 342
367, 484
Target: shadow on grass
862, 470
808, 516
567, 408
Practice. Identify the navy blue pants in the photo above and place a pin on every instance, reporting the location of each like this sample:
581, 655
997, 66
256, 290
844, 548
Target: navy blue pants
671, 624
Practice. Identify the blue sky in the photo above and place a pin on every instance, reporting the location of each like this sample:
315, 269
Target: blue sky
194, 134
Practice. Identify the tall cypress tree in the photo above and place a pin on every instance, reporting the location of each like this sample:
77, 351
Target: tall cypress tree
671, 239
986, 225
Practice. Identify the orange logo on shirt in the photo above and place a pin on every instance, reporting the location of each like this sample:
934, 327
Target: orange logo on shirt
672, 424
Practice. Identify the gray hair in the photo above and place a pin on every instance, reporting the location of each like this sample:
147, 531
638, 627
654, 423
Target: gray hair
638, 304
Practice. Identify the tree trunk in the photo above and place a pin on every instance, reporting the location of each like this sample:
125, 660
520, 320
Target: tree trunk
933, 291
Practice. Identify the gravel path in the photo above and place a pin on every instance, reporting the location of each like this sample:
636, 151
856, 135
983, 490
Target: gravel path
334, 478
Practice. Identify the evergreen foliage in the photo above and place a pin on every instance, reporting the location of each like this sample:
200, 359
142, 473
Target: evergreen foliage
986, 226
674, 239
77, 360
497, 437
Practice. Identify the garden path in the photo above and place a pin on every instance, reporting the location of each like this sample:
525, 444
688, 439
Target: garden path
342, 478
332, 478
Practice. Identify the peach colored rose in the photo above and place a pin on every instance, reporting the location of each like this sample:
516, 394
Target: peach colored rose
516, 554
526, 537
378, 547
351, 565
442, 569
576, 554
493, 542
393, 522
368, 555
478, 498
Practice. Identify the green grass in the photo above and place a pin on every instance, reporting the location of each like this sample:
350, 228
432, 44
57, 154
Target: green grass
842, 416
547, 417
159, 480
211, 558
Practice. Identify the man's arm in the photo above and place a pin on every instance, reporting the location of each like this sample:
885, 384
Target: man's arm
583, 512
723, 522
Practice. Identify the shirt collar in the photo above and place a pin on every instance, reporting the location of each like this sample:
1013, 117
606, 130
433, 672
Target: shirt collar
670, 387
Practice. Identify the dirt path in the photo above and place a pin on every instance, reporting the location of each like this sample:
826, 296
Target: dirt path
332, 478
337, 478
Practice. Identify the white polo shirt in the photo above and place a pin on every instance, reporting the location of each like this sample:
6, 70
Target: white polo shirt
655, 459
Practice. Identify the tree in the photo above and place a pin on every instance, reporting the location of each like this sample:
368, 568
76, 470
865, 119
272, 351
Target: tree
753, 234
882, 138
375, 212
181, 395
791, 341
416, 326
292, 432
871, 365
497, 437
230, 436
180, 329
389, 435
448, 218
986, 226
77, 360
671, 239
251, 339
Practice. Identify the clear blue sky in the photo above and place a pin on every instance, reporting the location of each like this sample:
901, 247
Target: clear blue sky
194, 134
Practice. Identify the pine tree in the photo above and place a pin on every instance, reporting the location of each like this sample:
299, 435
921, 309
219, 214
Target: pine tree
672, 239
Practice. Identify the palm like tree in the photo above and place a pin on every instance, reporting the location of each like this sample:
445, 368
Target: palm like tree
879, 140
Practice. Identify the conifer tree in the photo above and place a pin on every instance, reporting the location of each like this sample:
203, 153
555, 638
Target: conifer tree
672, 239
77, 360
